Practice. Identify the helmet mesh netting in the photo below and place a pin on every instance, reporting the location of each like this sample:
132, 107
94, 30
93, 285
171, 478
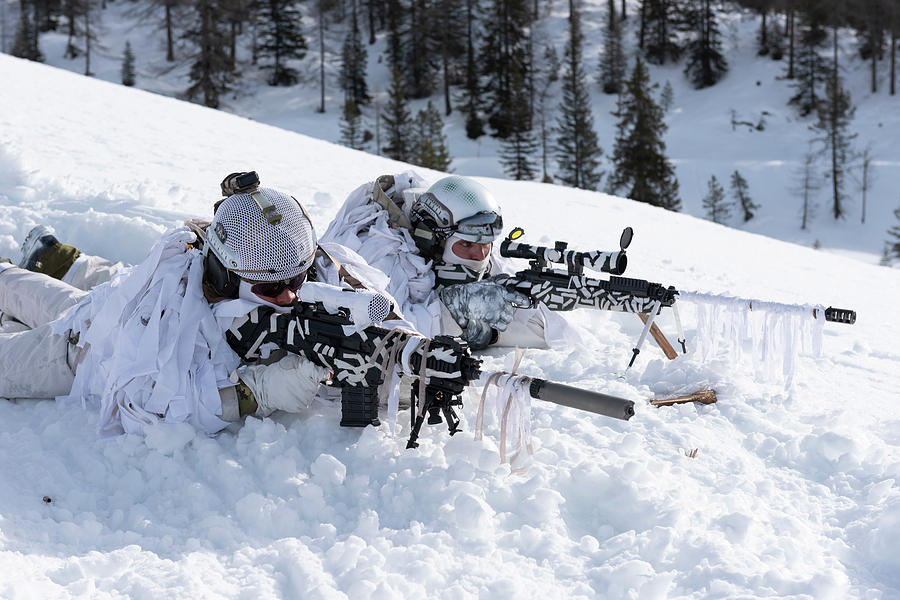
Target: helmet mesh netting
265, 252
379, 309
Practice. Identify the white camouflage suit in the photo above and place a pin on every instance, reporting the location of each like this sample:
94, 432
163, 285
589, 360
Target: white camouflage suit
365, 227
144, 346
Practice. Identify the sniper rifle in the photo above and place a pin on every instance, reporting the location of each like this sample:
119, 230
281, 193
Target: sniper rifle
362, 363
567, 289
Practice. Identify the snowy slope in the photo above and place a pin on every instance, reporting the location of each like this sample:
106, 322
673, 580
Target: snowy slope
701, 141
792, 493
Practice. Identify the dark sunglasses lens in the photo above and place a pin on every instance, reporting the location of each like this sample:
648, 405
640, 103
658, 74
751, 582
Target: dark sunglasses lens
271, 289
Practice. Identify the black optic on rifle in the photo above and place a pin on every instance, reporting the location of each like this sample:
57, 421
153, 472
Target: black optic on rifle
598, 260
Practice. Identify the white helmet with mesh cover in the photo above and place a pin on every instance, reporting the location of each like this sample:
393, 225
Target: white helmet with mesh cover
249, 243
454, 206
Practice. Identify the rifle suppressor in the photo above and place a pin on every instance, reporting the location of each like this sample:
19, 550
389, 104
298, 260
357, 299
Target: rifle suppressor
595, 402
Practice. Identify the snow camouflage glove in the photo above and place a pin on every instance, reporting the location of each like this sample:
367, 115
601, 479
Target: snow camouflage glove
480, 308
289, 384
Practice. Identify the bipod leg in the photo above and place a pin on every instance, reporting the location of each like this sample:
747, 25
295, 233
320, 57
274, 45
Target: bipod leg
417, 417
637, 349
451, 418
660, 338
681, 338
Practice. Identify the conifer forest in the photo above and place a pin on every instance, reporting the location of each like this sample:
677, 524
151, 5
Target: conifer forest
510, 77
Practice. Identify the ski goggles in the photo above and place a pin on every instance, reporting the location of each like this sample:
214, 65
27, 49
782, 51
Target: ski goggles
481, 228
271, 289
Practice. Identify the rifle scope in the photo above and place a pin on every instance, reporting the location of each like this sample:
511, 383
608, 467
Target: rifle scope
613, 263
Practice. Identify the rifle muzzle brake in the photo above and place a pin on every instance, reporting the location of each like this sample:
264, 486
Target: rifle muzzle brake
840, 315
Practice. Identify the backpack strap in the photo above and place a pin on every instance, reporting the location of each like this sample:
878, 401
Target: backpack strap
396, 216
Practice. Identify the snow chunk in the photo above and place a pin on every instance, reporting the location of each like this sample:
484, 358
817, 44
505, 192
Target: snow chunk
328, 470
168, 438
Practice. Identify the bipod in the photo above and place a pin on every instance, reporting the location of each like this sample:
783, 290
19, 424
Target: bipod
434, 406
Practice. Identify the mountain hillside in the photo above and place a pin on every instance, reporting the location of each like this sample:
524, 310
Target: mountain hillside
771, 492
701, 141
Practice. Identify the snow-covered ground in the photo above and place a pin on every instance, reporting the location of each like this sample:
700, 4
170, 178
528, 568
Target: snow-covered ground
701, 141
792, 493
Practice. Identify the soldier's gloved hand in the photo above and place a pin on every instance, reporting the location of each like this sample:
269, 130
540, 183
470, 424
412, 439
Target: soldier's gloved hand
289, 384
480, 308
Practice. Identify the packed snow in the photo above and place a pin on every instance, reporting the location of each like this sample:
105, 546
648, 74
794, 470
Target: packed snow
791, 492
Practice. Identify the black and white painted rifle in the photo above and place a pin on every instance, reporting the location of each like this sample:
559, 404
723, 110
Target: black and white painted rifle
362, 362
570, 288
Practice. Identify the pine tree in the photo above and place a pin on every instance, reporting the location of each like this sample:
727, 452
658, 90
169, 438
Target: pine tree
872, 30
451, 44
811, 69
518, 147
893, 243
372, 9
323, 7
612, 61
47, 15
894, 20
128, 75
280, 38
790, 27
89, 16
430, 145
72, 12
547, 76
210, 72
26, 41
354, 62
170, 6
397, 121
577, 150
420, 50
351, 126
775, 41
394, 47
835, 114
505, 49
806, 185
659, 31
885, 260
866, 178
705, 64
718, 210
741, 192
765, 38
472, 86
639, 158
667, 97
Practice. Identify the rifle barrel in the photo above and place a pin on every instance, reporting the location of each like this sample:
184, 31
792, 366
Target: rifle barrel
573, 397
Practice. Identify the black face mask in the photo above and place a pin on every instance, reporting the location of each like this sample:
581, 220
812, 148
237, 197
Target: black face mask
445, 274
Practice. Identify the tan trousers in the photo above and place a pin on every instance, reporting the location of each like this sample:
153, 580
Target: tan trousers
34, 363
